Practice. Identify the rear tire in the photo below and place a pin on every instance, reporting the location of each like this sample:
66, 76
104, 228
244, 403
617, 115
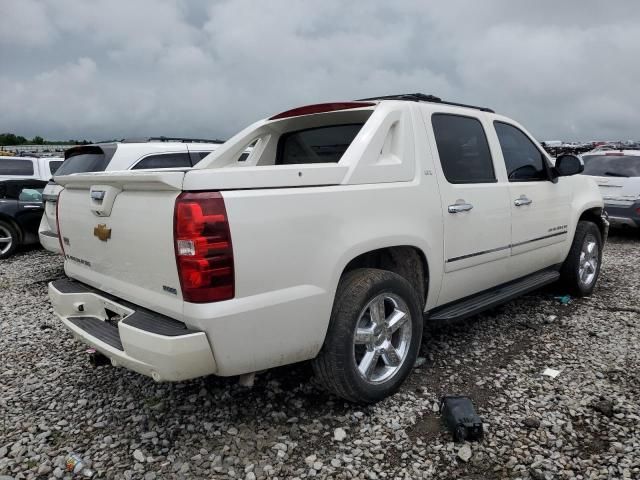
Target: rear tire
374, 336
8, 240
580, 270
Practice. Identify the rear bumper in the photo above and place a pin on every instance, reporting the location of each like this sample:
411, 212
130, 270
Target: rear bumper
140, 340
623, 216
50, 241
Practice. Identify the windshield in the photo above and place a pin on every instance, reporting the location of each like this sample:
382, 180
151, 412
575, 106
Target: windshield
608, 165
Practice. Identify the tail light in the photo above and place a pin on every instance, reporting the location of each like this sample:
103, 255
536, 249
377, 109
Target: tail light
204, 253
58, 223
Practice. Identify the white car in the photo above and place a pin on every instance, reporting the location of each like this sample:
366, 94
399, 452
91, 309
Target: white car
617, 173
345, 225
150, 153
14, 168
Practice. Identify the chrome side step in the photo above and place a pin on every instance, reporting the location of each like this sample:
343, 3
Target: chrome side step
472, 305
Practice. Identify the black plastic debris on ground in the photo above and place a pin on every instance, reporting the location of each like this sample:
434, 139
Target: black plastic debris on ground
458, 414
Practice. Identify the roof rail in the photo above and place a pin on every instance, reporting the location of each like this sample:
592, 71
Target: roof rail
170, 139
421, 97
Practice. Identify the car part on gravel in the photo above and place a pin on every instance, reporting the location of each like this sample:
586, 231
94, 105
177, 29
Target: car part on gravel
458, 414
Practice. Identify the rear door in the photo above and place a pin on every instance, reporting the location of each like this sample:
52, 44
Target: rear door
540, 207
617, 176
30, 207
476, 213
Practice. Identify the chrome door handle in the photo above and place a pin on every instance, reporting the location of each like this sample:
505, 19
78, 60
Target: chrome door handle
460, 207
522, 200
32, 206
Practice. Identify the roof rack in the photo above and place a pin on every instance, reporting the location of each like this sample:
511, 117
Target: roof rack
169, 139
421, 97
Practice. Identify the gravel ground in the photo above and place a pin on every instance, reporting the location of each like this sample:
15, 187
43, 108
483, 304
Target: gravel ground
585, 423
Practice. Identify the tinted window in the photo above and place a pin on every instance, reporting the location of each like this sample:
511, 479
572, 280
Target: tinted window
463, 149
85, 159
524, 161
243, 157
54, 166
10, 166
610, 165
164, 160
316, 145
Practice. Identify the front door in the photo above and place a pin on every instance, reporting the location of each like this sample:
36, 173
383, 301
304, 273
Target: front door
540, 208
476, 212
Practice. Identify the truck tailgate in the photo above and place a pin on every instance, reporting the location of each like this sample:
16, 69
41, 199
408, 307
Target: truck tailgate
117, 235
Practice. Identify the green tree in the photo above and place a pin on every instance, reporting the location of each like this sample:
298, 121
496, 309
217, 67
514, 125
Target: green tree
38, 140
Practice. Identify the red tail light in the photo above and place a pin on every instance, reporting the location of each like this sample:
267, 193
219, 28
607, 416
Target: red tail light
58, 223
204, 253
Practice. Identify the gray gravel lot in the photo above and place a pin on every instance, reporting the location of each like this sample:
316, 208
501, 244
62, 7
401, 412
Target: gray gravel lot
583, 424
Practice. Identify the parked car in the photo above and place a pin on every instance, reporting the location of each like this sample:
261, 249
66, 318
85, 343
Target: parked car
29, 167
136, 154
20, 211
617, 173
347, 222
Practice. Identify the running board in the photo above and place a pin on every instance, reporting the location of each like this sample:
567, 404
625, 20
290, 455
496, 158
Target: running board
493, 297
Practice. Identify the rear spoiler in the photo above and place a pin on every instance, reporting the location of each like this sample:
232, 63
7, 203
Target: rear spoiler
125, 180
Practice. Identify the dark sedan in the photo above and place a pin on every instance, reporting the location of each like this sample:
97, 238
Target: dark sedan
21, 209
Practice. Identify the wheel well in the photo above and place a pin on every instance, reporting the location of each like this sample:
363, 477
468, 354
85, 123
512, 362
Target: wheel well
594, 215
14, 224
408, 262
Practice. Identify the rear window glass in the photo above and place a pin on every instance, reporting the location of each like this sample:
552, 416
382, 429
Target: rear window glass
85, 159
164, 160
611, 165
54, 166
316, 145
12, 166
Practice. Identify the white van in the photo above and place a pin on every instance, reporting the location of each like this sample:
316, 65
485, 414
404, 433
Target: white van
12, 168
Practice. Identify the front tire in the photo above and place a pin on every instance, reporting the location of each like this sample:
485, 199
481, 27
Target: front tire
8, 240
374, 336
580, 270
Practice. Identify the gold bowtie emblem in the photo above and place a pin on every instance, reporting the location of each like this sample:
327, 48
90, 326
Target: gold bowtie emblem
102, 232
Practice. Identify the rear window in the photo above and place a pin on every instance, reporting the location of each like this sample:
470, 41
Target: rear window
84, 159
164, 160
10, 166
608, 165
316, 145
54, 166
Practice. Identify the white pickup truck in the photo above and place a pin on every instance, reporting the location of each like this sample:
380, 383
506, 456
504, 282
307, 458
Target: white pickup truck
348, 225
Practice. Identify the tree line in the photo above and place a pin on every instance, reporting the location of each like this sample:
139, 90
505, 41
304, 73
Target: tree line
13, 139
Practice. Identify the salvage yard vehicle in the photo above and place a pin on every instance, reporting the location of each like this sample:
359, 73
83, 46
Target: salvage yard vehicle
348, 225
20, 211
134, 154
12, 168
617, 173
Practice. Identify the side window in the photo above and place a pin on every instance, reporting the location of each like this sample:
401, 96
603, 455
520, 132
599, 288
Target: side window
30, 194
164, 160
54, 166
524, 161
15, 166
463, 149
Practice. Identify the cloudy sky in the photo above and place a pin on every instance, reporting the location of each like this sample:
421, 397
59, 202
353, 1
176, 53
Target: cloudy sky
120, 68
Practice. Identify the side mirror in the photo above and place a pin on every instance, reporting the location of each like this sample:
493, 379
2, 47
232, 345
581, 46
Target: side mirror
567, 165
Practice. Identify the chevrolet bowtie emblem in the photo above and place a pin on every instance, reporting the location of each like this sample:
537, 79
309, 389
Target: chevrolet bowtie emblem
102, 232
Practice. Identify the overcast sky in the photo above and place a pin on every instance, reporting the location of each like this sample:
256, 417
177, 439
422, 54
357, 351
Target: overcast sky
121, 68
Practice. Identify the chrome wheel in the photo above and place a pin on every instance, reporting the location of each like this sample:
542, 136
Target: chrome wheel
588, 265
6, 240
382, 338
